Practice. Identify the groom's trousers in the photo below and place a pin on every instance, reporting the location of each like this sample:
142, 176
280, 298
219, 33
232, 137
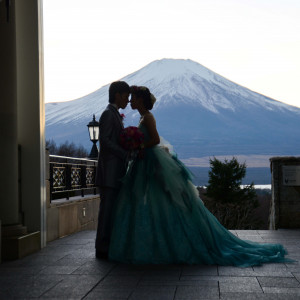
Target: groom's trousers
108, 199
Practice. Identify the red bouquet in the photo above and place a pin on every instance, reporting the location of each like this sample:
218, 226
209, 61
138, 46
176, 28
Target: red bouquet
131, 138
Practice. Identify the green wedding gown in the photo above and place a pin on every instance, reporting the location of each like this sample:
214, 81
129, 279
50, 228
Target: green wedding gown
160, 219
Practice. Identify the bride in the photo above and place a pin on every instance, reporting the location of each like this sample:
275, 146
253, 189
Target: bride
159, 217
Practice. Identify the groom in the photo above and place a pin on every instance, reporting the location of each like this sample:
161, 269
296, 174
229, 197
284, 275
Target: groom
111, 163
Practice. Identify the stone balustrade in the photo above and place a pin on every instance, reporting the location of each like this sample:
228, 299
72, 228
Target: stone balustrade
72, 197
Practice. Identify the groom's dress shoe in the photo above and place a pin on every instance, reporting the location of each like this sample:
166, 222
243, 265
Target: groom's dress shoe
101, 255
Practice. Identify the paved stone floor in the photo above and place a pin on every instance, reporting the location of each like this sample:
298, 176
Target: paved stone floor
67, 269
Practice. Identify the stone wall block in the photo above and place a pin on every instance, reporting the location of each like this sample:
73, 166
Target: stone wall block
52, 224
68, 216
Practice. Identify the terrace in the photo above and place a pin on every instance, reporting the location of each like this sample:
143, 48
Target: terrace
67, 268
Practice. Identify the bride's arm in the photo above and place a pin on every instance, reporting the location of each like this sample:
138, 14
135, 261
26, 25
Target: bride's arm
150, 124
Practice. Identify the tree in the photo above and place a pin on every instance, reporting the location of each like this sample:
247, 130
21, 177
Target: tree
225, 180
66, 149
51, 146
232, 205
81, 151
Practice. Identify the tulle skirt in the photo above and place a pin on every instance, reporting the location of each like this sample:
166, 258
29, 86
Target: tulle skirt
160, 219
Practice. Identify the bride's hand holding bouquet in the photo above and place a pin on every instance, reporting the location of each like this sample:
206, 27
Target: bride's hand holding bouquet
132, 139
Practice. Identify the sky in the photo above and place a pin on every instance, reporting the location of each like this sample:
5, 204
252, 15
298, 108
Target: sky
90, 43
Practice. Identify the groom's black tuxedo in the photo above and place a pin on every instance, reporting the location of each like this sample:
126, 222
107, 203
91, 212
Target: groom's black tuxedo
111, 168
112, 157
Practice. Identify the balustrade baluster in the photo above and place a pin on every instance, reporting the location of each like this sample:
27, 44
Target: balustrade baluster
51, 181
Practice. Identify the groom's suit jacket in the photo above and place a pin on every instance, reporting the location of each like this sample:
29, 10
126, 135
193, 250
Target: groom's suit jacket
112, 157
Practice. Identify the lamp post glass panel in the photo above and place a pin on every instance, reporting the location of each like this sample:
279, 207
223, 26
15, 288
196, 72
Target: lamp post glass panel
93, 128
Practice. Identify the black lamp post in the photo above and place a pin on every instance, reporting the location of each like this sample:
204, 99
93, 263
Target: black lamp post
93, 128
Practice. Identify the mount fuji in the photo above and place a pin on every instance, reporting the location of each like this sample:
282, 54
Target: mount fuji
198, 111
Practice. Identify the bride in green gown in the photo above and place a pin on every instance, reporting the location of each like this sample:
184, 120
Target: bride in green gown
159, 217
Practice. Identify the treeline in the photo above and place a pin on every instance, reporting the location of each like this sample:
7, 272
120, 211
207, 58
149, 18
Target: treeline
66, 149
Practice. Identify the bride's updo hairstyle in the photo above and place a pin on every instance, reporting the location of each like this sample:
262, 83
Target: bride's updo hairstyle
144, 93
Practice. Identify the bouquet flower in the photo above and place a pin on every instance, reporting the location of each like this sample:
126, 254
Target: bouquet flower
131, 138
122, 118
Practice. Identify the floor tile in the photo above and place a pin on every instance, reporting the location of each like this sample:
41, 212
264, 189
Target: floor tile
58, 270
195, 293
235, 271
279, 290
73, 286
199, 270
127, 281
278, 282
109, 293
94, 267
153, 292
256, 296
239, 284
211, 283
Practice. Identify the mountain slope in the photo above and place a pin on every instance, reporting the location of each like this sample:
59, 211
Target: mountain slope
198, 111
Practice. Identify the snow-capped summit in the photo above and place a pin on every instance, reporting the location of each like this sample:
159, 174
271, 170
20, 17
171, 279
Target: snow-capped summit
165, 69
200, 112
194, 84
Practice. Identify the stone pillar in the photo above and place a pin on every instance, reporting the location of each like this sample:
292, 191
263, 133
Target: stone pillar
8, 117
285, 204
31, 115
22, 179
0, 242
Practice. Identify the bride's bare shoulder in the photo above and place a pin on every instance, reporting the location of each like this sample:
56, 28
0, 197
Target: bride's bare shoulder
148, 117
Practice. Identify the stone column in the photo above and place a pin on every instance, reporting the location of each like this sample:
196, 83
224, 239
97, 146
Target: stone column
31, 115
8, 117
285, 204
